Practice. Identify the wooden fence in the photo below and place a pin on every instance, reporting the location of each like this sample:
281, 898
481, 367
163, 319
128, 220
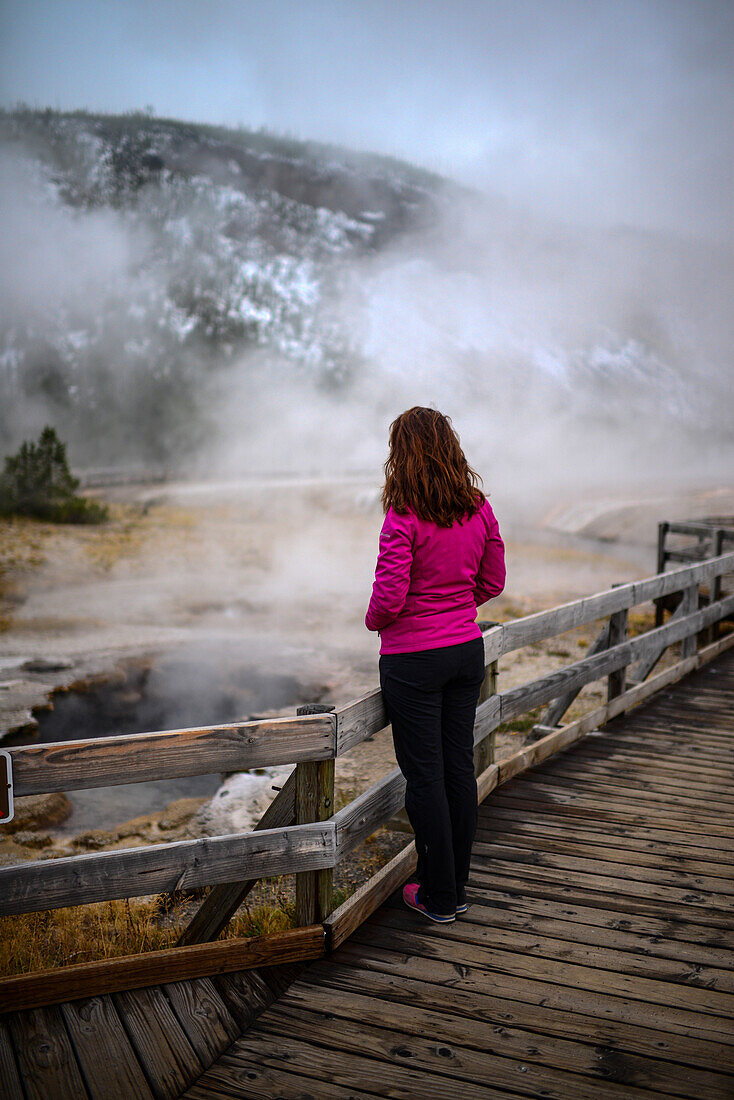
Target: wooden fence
693, 541
300, 833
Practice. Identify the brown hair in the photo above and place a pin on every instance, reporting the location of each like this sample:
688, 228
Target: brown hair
426, 470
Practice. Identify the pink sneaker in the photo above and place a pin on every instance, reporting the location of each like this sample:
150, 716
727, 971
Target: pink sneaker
411, 900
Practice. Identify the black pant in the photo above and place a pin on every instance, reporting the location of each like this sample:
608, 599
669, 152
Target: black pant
431, 700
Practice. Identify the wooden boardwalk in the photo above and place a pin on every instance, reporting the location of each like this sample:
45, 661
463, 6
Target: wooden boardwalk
596, 959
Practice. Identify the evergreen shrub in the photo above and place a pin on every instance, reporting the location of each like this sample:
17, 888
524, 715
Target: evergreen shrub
37, 482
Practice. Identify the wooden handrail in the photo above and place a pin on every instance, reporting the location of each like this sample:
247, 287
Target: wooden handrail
171, 754
320, 845
157, 868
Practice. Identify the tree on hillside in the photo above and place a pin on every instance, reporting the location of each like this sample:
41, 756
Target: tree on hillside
37, 482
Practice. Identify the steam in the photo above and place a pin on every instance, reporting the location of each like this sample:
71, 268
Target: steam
568, 359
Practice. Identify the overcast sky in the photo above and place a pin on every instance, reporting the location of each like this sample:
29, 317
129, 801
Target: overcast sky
604, 111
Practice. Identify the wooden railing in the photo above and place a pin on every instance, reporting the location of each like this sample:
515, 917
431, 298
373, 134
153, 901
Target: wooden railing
693, 541
300, 833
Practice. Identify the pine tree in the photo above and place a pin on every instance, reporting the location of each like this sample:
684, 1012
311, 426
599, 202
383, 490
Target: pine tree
37, 482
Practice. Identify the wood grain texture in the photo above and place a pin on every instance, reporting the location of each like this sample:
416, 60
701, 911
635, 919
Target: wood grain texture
203, 1015
161, 1045
46, 1059
155, 967
377, 804
528, 696
223, 900
369, 896
10, 1086
137, 757
548, 1038
392, 1036
106, 1056
182, 865
358, 720
553, 713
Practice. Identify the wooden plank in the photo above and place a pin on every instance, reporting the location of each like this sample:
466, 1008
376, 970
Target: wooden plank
161, 1045
537, 784
355, 822
640, 671
693, 1011
170, 754
500, 1049
553, 714
579, 807
509, 1019
504, 850
46, 1059
181, 865
487, 781
314, 801
627, 793
630, 1019
245, 994
567, 735
203, 1015
358, 720
488, 717
605, 894
689, 603
596, 770
547, 624
616, 682
108, 1061
223, 901
460, 1064
528, 696
623, 964
610, 847
9, 1077
369, 896
242, 1077
602, 767
306, 807
647, 936
348, 1069
484, 749
546, 818
640, 747
155, 967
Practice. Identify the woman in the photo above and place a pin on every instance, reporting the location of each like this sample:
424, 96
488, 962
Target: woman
440, 557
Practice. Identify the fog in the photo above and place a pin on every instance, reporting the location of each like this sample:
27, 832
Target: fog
598, 113
569, 307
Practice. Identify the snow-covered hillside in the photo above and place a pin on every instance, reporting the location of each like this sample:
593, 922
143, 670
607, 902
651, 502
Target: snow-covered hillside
156, 270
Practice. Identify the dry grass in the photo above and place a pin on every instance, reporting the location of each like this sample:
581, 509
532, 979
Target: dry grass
105, 930
86, 933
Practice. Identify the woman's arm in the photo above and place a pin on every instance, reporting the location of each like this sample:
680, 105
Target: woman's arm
392, 572
491, 575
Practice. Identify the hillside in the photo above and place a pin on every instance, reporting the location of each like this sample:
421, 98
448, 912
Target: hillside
231, 241
170, 283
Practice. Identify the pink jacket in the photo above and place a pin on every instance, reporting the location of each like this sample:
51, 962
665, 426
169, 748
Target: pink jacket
429, 580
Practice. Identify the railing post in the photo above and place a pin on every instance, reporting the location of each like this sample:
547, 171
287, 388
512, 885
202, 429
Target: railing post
617, 680
689, 604
484, 751
314, 802
662, 535
717, 547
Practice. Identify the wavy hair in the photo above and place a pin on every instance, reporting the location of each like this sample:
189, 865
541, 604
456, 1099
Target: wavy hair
426, 470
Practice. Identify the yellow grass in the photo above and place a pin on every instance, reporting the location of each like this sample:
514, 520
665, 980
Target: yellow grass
83, 933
